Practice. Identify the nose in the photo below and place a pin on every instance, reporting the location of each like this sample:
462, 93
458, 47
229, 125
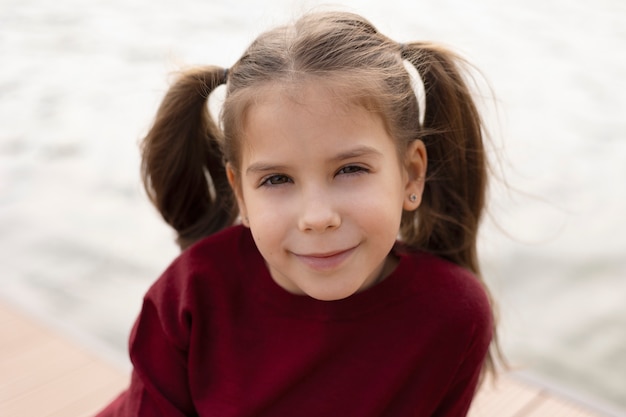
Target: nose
318, 212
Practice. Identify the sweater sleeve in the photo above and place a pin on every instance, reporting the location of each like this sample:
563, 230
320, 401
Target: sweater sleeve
158, 351
461, 391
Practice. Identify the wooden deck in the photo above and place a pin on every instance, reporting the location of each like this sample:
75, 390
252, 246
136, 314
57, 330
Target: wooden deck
44, 374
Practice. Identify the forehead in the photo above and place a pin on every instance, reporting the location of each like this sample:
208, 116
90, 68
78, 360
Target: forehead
326, 94
309, 123
331, 97
303, 106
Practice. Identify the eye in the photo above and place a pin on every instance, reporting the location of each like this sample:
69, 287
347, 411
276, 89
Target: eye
277, 179
352, 169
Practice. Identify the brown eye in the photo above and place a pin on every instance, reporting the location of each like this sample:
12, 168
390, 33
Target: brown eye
352, 169
276, 180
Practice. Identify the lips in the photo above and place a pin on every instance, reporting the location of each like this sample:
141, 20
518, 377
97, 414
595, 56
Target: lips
325, 261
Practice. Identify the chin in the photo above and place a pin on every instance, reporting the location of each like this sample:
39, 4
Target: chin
326, 295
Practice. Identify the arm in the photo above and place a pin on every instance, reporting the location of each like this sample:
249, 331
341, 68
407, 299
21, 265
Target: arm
459, 396
159, 384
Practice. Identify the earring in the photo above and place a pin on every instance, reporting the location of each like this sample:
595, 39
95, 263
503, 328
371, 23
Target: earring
413, 198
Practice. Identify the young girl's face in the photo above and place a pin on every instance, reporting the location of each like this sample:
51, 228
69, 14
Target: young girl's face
322, 189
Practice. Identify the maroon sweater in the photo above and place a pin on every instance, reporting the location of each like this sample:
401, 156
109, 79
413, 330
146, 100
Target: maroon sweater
217, 337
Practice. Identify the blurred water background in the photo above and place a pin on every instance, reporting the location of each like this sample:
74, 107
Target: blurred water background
81, 80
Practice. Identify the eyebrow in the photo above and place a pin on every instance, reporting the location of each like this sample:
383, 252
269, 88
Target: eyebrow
357, 152
360, 151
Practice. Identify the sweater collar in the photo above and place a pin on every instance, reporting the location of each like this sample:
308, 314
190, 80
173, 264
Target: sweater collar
368, 301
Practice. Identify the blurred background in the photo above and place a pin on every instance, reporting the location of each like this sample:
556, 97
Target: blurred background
80, 82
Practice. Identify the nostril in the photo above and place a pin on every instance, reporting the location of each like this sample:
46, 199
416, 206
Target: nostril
319, 220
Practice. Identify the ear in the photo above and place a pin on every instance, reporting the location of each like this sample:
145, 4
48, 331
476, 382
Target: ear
415, 165
235, 184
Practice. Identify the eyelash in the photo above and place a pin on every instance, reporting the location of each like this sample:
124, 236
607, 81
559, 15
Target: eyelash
350, 170
267, 181
355, 170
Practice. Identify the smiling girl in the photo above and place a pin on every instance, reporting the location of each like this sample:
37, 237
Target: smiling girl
352, 285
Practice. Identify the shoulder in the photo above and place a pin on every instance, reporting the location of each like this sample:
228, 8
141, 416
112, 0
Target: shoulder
207, 262
220, 250
459, 296
224, 247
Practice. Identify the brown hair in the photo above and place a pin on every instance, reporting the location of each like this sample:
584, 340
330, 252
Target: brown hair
184, 153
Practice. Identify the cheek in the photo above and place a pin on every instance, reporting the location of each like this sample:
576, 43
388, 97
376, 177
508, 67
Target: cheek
267, 212
269, 226
379, 216
383, 215
385, 195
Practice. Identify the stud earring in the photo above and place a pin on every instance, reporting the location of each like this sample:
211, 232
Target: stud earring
413, 198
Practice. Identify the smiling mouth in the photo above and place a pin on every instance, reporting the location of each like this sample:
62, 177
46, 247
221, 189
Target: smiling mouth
325, 261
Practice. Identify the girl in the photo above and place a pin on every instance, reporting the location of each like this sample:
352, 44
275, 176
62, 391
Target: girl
311, 306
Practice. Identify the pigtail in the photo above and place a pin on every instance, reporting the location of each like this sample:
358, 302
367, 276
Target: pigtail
454, 194
182, 161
